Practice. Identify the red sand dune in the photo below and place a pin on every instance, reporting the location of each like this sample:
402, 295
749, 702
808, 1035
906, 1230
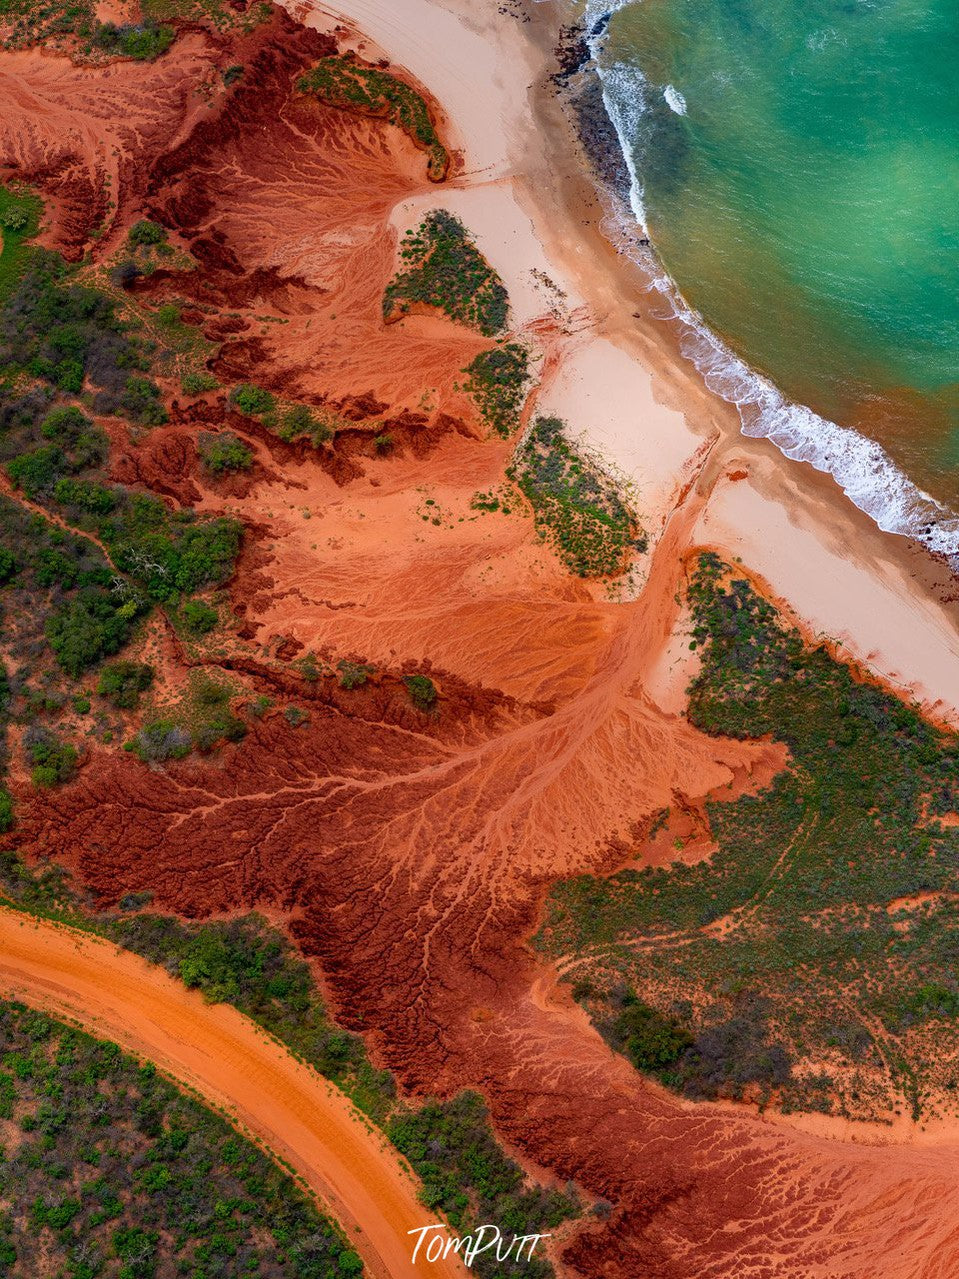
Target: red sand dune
411, 854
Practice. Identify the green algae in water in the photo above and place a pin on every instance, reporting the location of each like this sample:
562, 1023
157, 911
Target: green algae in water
800, 175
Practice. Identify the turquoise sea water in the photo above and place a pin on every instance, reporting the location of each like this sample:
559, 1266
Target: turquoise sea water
797, 166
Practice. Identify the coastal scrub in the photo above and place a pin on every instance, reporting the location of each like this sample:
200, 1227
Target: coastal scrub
109, 1168
576, 506
442, 268
347, 83
811, 959
497, 380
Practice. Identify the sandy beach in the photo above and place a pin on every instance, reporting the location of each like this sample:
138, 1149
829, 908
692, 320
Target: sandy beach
613, 371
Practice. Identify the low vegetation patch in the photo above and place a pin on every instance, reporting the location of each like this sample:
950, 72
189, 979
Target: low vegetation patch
347, 83
143, 41
466, 1175
122, 683
824, 932
67, 335
20, 212
60, 594
422, 692
442, 268
576, 506
224, 452
497, 381
110, 1169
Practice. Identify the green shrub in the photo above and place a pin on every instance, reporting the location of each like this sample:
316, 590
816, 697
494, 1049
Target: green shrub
422, 692
162, 740
300, 420
197, 383
651, 1041
92, 625
254, 401
170, 553
224, 452
38, 471
575, 504
6, 810
141, 401
145, 232
352, 674
443, 268
497, 382
53, 760
198, 617
14, 219
122, 683
143, 43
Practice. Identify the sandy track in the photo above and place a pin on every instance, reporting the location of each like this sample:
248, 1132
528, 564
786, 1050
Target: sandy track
300, 1117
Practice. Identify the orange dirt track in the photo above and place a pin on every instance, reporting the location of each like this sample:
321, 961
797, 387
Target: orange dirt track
296, 1114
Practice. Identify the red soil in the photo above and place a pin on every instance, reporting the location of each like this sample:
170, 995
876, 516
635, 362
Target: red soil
411, 853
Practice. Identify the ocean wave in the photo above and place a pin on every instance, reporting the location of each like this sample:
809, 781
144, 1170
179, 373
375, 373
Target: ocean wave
862, 467
674, 99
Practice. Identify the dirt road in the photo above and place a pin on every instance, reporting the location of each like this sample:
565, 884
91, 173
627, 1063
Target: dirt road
295, 1113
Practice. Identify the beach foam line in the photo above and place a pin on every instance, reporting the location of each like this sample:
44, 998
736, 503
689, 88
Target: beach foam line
860, 466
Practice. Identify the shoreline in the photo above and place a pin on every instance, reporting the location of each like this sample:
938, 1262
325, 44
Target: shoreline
613, 370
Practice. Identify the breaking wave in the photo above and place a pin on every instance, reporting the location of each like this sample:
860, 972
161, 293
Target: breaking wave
862, 468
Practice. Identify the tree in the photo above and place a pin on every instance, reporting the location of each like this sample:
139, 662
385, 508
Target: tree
122, 683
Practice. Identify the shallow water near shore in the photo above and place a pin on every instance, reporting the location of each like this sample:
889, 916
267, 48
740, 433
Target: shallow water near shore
797, 169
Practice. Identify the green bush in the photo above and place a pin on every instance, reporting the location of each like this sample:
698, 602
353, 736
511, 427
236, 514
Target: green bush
443, 268
198, 617
91, 626
14, 219
143, 43
170, 553
575, 504
162, 740
650, 1040
254, 401
122, 683
53, 761
422, 692
224, 452
6, 810
352, 674
197, 383
497, 382
145, 232
300, 420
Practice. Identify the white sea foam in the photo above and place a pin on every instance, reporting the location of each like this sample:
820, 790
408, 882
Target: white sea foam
674, 99
862, 468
